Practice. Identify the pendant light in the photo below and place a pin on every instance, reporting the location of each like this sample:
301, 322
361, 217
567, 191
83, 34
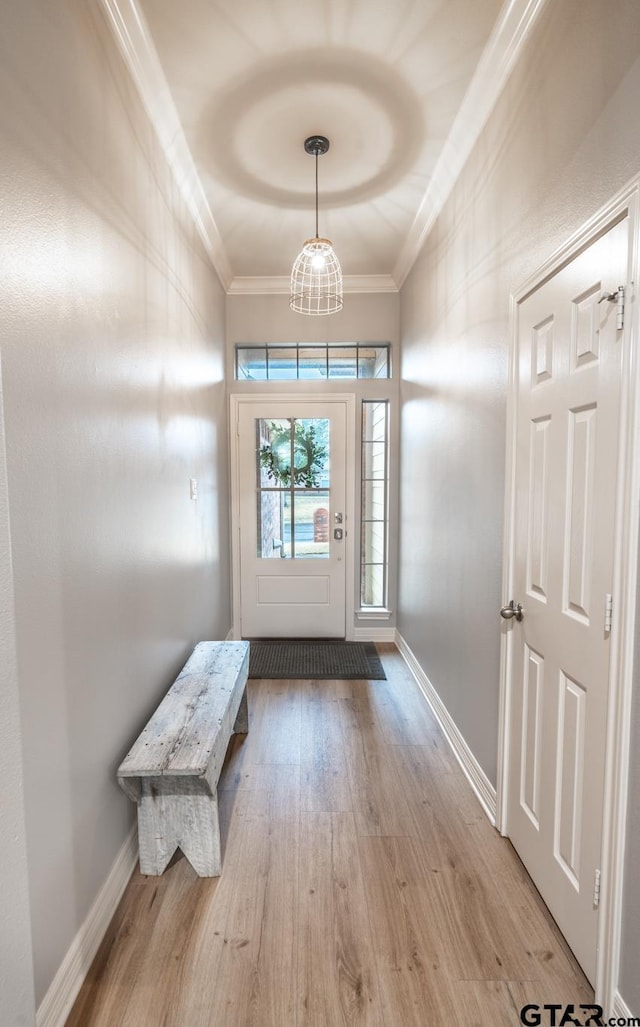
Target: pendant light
316, 278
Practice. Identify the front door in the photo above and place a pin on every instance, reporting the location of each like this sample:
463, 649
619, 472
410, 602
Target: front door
292, 518
569, 367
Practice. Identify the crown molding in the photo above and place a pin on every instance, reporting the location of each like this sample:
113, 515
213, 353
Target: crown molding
369, 283
136, 46
280, 285
513, 28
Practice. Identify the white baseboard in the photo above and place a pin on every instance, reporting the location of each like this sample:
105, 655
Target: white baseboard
476, 776
374, 634
56, 1005
620, 1009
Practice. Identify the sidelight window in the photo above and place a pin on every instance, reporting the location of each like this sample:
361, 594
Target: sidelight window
374, 535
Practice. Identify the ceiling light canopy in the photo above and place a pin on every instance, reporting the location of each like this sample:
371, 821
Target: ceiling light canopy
316, 277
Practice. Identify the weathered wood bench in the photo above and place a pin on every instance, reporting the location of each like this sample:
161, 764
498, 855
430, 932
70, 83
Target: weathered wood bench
173, 768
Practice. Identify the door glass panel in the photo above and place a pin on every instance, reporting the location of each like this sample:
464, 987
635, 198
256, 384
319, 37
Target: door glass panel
274, 453
311, 524
271, 524
287, 537
293, 482
311, 453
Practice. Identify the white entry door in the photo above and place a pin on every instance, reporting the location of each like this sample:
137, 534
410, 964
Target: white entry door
569, 367
292, 518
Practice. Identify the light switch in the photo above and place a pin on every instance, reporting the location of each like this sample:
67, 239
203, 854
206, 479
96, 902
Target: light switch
193, 488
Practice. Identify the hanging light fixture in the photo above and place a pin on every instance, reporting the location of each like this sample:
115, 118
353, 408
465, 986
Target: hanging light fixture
316, 278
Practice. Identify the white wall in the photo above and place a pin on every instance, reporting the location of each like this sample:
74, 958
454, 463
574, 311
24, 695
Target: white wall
563, 139
365, 317
113, 363
16, 966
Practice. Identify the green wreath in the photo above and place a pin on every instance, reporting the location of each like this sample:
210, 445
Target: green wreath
309, 455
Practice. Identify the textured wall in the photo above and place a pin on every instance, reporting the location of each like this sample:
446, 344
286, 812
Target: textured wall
564, 137
113, 364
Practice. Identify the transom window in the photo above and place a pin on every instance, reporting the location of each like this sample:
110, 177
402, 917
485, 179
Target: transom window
316, 361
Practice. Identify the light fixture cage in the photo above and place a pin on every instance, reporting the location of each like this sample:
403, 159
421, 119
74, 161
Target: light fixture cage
316, 279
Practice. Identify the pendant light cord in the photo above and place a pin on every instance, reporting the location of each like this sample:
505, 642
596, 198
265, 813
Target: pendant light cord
316, 194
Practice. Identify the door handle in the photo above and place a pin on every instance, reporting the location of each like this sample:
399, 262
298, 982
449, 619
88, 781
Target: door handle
512, 610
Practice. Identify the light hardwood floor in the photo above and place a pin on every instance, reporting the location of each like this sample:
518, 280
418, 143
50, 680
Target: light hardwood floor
361, 884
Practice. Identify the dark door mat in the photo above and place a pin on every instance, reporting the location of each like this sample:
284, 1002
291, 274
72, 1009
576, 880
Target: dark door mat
318, 660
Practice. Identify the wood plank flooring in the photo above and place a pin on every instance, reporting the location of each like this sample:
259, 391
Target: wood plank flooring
362, 885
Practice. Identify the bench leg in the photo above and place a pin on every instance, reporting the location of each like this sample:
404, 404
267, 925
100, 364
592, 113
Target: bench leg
181, 814
241, 726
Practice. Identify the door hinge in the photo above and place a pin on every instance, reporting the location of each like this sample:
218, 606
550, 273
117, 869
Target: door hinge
596, 890
620, 308
616, 297
608, 612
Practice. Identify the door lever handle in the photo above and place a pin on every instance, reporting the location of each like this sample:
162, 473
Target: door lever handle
512, 610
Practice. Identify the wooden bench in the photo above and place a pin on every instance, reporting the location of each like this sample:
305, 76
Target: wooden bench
172, 770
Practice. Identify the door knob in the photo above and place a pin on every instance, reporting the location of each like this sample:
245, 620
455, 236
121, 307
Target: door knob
512, 610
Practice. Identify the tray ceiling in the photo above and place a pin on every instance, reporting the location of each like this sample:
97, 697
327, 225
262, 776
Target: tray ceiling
401, 89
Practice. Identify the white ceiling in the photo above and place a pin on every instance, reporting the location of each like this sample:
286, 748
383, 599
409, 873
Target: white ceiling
400, 87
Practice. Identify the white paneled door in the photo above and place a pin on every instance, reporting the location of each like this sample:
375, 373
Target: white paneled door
569, 367
291, 483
